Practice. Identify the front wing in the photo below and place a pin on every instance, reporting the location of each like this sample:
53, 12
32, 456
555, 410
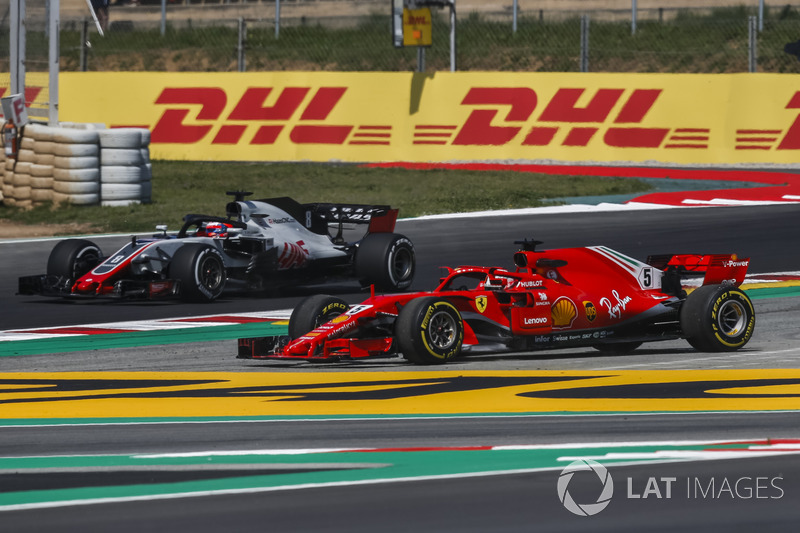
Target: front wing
57, 286
275, 347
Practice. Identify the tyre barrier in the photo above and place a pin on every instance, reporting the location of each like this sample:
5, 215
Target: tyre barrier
22, 188
42, 170
7, 190
78, 164
76, 199
76, 149
26, 155
125, 166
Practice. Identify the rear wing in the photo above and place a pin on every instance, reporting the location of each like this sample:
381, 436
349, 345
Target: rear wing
318, 216
718, 268
381, 218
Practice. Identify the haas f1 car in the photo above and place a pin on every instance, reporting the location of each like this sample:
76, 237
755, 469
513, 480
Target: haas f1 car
259, 245
590, 296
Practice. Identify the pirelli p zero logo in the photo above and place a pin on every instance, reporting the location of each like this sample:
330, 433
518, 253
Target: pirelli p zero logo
495, 116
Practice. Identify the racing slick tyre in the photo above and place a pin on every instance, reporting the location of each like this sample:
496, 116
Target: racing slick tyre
313, 312
717, 318
73, 258
429, 331
200, 269
386, 260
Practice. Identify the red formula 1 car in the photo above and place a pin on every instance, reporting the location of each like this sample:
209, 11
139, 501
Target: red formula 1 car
590, 296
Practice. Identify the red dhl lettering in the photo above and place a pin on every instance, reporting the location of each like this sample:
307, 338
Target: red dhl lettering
791, 141
31, 93
414, 20
562, 108
174, 125
500, 115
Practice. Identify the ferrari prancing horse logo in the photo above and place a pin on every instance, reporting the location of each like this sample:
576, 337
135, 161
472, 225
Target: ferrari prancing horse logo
480, 303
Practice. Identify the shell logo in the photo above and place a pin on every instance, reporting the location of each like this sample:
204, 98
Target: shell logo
564, 312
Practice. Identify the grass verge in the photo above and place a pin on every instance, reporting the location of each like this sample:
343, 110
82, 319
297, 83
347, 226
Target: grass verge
181, 187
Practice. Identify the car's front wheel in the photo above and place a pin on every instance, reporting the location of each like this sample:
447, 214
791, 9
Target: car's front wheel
313, 312
73, 258
429, 331
717, 318
201, 271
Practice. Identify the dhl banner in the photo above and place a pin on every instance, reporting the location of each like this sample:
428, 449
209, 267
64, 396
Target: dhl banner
462, 116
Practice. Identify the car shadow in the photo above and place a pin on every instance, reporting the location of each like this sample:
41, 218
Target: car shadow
393, 362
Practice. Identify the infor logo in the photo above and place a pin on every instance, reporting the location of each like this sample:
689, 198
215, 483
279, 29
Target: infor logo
585, 509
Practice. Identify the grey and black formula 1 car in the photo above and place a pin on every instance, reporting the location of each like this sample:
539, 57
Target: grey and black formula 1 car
259, 245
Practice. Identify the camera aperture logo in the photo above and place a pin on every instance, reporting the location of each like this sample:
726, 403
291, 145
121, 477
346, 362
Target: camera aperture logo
603, 499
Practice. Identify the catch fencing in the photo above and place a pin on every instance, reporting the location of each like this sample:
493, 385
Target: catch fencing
197, 37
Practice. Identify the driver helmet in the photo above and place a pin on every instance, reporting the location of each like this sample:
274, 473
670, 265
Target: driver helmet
217, 230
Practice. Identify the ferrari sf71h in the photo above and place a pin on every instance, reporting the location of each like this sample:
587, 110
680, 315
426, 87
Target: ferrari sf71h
259, 245
589, 296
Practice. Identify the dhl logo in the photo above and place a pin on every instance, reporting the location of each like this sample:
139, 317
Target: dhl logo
498, 116
173, 126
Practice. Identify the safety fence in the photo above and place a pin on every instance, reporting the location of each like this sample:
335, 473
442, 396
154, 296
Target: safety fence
736, 39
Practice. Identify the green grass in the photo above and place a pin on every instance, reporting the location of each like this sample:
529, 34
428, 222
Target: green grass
180, 188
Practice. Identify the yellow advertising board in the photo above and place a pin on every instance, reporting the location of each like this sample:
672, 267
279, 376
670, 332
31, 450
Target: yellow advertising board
462, 116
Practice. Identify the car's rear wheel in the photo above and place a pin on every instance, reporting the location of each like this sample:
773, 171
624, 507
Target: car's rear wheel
717, 318
386, 260
201, 271
429, 331
313, 312
73, 258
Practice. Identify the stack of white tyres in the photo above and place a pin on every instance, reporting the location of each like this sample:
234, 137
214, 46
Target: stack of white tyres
7, 193
42, 168
21, 180
76, 166
125, 166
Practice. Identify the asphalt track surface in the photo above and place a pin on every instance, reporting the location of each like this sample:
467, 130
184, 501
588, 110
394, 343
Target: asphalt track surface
748, 493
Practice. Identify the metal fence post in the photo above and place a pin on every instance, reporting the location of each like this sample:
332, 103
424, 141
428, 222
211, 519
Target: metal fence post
53, 59
584, 43
17, 46
514, 11
452, 35
752, 47
277, 18
163, 17
84, 46
633, 17
241, 45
